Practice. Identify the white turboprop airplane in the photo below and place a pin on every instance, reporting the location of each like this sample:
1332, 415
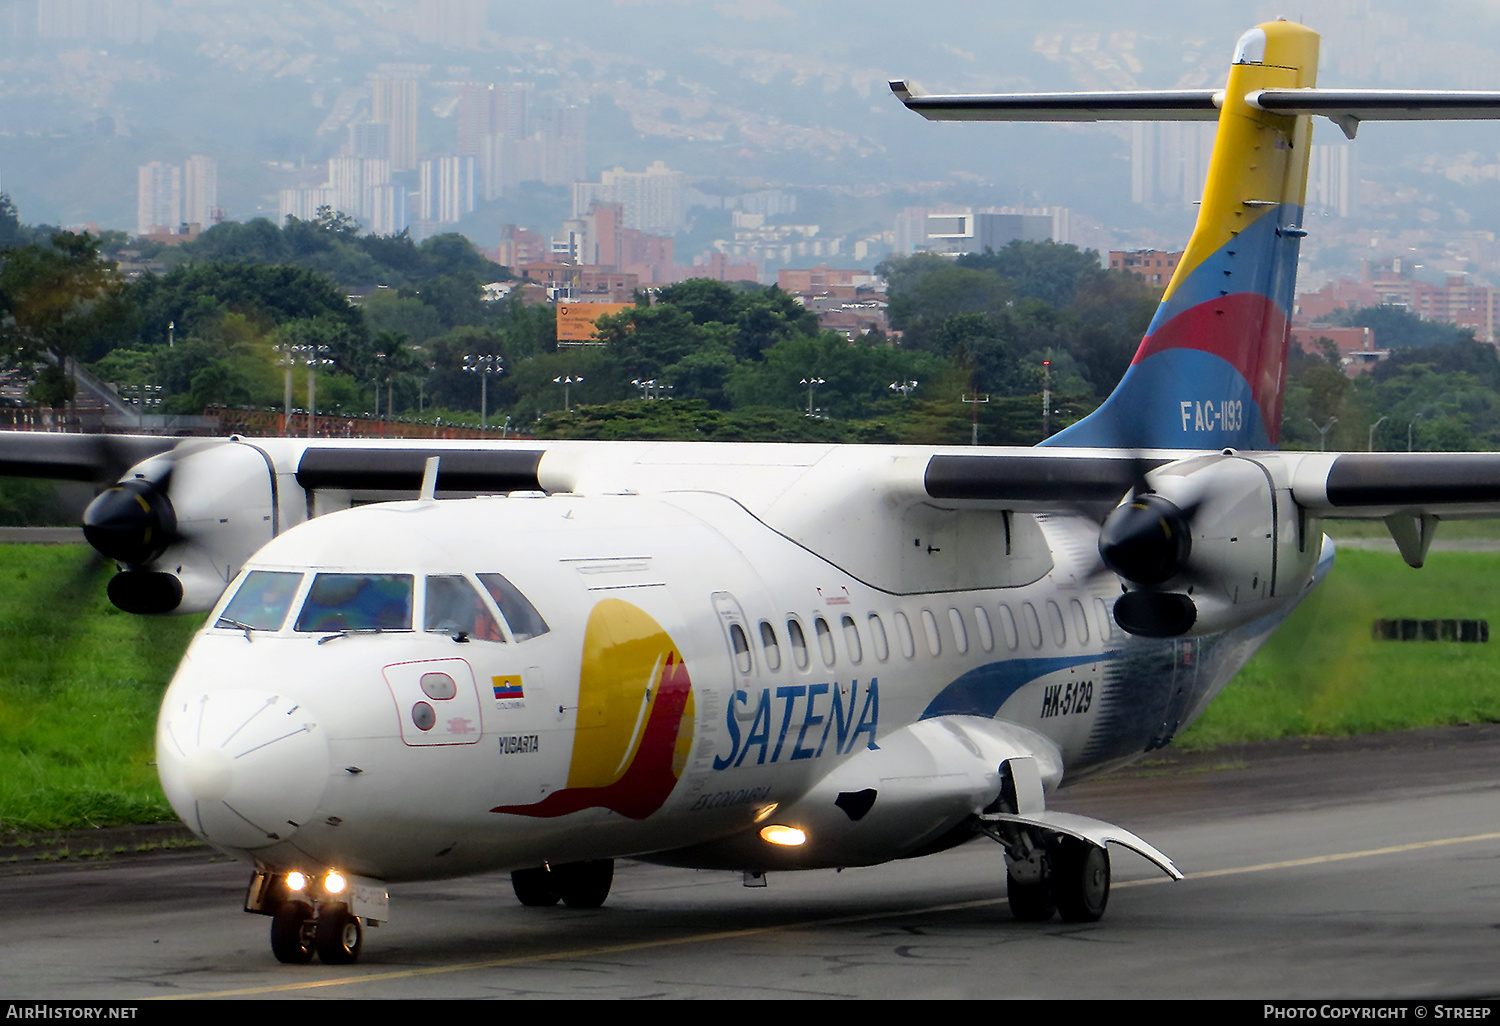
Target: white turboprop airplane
756, 657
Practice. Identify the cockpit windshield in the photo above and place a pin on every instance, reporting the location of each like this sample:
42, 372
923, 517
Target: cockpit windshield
344, 603
262, 601
525, 622
357, 602
454, 607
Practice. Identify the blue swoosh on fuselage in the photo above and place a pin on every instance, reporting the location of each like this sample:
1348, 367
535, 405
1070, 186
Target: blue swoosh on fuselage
984, 689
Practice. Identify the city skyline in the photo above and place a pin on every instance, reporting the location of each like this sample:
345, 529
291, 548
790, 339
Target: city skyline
738, 99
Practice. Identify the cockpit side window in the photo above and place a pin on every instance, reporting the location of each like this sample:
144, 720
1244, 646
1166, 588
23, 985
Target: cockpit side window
262, 601
357, 602
525, 622
453, 607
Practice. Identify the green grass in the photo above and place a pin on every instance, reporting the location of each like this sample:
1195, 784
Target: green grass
80, 682
1448, 530
1323, 673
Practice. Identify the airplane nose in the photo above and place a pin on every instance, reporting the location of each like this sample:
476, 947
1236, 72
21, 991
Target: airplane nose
243, 768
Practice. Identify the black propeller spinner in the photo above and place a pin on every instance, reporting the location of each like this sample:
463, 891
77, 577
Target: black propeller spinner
1147, 540
132, 522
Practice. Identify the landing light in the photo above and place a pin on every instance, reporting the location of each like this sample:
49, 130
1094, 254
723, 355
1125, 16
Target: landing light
295, 881
333, 883
784, 835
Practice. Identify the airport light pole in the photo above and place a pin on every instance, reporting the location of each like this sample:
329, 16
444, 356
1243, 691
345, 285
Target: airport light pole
1323, 432
314, 356
906, 388
567, 381
1371, 446
812, 384
287, 360
975, 402
484, 366
1409, 426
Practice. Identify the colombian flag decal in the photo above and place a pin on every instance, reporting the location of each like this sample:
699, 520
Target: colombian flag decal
507, 688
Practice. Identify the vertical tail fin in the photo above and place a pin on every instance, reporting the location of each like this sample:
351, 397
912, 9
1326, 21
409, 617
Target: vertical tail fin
1209, 373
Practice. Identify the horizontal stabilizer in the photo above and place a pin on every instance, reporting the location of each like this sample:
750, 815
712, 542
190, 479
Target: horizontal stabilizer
1348, 107
1144, 105
1344, 107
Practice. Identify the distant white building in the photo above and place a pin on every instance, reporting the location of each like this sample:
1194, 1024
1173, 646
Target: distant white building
655, 200
200, 194
158, 208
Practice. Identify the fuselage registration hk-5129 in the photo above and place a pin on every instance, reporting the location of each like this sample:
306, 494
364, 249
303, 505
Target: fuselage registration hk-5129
428, 660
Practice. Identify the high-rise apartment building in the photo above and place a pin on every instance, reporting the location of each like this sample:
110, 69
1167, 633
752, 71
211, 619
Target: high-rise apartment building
447, 190
200, 192
395, 104
158, 207
655, 200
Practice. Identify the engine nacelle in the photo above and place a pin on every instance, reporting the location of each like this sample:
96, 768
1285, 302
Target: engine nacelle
183, 523
1214, 544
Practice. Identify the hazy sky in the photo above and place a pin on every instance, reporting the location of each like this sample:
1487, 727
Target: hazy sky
253, 84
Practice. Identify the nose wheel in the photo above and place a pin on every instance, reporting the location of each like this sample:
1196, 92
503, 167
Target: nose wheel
332, 933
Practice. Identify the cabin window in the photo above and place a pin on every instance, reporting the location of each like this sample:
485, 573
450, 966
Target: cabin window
851, 640
262, 601
930, 629
357, 602
825, 640
1033, 624
799, 643
878, 639
982, 625
1055, 618
1080, 620
454, 607
525, 622
960, 632
770, 646
1101, 613
741, 645
903, 634
1008, 628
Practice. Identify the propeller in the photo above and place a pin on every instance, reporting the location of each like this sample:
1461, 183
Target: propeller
133, 522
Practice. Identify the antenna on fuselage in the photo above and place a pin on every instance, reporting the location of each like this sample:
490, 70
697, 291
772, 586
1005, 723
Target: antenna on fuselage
429, 479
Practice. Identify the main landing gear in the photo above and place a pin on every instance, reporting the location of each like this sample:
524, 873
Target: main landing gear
1064, 875
1056, 863
575, 884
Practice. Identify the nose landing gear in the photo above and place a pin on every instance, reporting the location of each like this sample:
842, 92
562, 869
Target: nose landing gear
309, 919
332, 933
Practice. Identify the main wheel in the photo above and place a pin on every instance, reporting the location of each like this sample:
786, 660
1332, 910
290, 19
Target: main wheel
292, 933
338, 936
584, 884
534, 887
1080, 880
1029, 902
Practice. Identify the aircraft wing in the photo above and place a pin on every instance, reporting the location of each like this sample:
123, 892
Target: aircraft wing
64, 457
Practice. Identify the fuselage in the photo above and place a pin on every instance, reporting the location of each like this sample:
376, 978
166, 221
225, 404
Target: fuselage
671, 671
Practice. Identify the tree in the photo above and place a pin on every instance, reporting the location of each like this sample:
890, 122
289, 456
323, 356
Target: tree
59, 299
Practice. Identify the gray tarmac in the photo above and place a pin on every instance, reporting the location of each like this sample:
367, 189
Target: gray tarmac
1353, 868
